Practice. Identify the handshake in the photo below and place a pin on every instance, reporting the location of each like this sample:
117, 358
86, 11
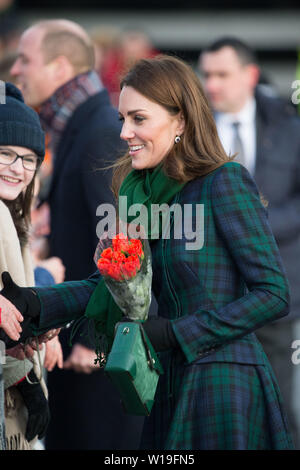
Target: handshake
26, 302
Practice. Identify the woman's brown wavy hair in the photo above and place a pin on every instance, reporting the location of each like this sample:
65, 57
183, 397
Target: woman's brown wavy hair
171, 83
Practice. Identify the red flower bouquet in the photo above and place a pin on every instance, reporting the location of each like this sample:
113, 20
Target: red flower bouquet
132, 364
123, 260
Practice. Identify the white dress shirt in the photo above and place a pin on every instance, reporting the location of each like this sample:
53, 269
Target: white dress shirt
247, 132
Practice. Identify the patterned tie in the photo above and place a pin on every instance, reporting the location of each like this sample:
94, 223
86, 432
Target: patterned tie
238, 144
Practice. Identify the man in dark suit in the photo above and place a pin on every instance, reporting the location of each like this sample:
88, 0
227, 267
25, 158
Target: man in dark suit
54, 69
265, 132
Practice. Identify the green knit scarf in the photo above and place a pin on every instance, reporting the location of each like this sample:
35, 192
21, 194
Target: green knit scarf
145, 187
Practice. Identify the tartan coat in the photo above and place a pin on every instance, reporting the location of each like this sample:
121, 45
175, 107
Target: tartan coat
218, 390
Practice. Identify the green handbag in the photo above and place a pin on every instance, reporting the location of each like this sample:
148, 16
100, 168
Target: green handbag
134, 368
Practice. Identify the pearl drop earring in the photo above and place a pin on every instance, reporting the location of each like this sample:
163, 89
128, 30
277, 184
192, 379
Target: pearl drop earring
177, 139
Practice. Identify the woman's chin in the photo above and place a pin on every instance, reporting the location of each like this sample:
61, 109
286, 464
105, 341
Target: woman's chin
9, 194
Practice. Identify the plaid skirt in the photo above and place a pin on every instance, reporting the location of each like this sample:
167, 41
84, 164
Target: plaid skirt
216, 406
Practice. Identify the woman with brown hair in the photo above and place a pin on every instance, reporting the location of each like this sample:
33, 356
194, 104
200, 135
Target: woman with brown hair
217, 278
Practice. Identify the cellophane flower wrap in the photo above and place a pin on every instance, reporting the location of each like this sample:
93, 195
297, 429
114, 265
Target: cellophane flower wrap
125, 265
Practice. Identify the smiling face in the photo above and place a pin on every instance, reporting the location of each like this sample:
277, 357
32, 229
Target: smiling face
148, 128
34, 77
14, 178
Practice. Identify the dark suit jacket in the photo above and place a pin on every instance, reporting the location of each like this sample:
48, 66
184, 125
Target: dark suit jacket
90, 142
277, 175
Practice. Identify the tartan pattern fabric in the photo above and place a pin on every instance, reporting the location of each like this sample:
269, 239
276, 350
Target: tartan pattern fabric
63, 303
235, 283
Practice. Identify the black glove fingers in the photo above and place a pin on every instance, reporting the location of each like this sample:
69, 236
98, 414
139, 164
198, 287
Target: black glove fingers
26, 301
7, 281
9, 286
37, 406
160, 332
44, 426
37, 426
13, 293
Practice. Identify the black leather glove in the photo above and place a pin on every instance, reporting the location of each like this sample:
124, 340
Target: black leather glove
160, 332
26, 301
37, 406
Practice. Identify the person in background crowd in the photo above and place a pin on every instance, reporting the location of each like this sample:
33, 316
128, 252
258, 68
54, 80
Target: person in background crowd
105, 41
55, 71
265, 132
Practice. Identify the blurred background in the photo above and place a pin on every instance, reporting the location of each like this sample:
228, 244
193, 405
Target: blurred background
182, 27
